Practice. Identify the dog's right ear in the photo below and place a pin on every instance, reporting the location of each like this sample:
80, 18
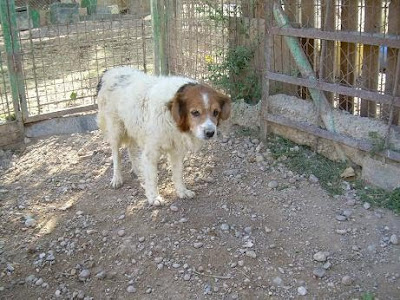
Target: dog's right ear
177, 107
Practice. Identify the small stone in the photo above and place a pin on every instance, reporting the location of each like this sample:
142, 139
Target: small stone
341, 218
273, 184
39, 281
186, 277
259, 158
240, 263
158, 259
121, 233
394, 240
348, 172
101, 275
302, 291
319, 272
224, 227
251, 254
174, 208
141, 239
267, 229
347, 213
347, 280
149, 290
366, 205
130, 289
327, 265
57, 293
321, 256
176, 265
84, 274
198, 245
30, 278
277, 281
248, 229
30, 222
313, 178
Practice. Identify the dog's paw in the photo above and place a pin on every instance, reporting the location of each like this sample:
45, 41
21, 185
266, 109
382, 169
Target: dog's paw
185, 193
116, 182
156, 201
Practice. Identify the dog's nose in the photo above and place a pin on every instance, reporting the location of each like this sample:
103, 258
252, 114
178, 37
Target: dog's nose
209, 133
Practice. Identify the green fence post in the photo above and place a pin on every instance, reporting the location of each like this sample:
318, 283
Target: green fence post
158, 21
8, 18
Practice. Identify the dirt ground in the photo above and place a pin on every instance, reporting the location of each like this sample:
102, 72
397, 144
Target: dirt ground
255, 230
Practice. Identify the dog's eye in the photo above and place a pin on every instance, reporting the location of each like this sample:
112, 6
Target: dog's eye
216, 113
195, 113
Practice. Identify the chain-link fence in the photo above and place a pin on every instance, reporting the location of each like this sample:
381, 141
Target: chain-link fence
65, 46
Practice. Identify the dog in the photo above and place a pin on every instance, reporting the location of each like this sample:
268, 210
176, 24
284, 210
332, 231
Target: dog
154, 115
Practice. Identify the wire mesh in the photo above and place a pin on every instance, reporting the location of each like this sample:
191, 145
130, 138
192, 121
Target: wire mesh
65, 47
6, 105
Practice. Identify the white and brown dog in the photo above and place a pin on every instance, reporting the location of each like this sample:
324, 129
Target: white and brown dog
151, 115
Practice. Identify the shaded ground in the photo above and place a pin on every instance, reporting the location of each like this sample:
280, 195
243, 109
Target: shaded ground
251, 232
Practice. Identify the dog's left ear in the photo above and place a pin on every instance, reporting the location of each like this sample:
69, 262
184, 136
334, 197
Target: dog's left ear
177, 106
225, 103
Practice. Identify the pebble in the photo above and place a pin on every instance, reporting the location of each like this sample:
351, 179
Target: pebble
121, 233
141, 239
224, 227
39, 281
176, 265
84, 274
366, 205
251, 254
149, 290
277, 281
30, 222
347, 280
174, 208
273, 184
57, 293
158, 259
313, 178
186, 277
394, 239
198, 245
347, 213
101, 275
319, 272
241, 263
341, 218
131, 289
302, 291
30, 279
321, 256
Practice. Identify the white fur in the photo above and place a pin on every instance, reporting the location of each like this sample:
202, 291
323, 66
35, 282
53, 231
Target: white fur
133, 111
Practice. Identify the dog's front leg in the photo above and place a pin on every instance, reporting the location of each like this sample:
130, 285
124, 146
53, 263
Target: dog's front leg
149, 170
176, 160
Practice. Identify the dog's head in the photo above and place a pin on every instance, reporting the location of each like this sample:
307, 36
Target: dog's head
198, 109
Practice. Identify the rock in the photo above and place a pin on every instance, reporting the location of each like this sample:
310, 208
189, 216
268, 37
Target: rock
259, 158
130, 289
186, 277
394, 240
248, 229
273, 184
224, 227
313, 179
30, 279
101, 275
366, 205
347, 213
277, 281
174, 208
240, 263
321, 256
347, 280
302, 291
121, 232
341, 218
198, 245
348, 172
158, 259
319, 272
176, 265
57, 293
141, 239
84, 274
251, 254
30, 222
39, 281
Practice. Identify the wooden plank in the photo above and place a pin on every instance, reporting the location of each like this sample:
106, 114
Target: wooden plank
61, 113
377, 39
370, 63
335, 88
335, 137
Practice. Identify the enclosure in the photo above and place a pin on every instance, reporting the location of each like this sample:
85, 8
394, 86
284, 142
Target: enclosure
322, 73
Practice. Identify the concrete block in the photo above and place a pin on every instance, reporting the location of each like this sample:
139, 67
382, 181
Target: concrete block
375, 172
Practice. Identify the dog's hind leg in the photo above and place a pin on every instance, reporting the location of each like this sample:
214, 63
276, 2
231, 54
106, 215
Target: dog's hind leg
133, 152
176, 160
115, 132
